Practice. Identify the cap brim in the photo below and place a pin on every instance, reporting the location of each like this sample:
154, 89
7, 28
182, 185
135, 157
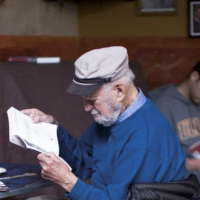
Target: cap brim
82, 90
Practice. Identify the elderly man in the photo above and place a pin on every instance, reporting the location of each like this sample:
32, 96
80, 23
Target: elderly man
130, 141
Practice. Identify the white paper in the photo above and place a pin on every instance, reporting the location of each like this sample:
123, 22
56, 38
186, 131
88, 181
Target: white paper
23, 132
44, 60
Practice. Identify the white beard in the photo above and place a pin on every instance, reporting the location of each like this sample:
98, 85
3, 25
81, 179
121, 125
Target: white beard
115, 111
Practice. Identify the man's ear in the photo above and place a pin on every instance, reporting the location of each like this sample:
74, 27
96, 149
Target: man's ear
194, 76
119, 91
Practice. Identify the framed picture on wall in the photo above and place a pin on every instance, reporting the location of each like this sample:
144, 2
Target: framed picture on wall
157, 7
194, 18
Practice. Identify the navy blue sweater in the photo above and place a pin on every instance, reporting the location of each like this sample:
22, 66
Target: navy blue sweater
142, 148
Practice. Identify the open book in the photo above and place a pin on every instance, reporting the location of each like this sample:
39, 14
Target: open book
40, 137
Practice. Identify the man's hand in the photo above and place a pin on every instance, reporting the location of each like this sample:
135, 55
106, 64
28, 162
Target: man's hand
56, 171
38, 116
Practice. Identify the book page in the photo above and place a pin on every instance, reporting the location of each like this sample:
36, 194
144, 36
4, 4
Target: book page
41, 137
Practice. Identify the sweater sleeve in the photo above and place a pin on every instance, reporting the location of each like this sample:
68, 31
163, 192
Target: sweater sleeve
141, 165
78, 153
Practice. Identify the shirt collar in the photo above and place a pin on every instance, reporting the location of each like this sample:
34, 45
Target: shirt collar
136, 105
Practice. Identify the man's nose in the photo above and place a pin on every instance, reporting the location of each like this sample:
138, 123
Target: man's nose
88, 106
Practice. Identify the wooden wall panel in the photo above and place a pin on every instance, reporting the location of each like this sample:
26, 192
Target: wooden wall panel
69, 48
134, 43
64, 47
166, 65
163, 60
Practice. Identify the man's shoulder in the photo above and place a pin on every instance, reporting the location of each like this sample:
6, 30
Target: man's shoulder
148, 123
148, 113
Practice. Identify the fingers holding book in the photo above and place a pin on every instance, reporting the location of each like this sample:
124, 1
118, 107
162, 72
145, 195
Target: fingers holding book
55, 170
39, 116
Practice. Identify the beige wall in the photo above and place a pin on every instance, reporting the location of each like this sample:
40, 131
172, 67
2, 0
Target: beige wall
36, 17
119, 18
91, 18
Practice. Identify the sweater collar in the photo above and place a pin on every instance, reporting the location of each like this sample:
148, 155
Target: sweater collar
136, 105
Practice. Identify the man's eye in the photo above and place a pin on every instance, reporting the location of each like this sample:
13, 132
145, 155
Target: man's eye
92, 100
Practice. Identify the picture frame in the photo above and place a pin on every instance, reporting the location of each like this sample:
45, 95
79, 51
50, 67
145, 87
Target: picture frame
157, 7
194, 18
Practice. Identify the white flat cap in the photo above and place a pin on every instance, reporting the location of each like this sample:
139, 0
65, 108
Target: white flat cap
97, 67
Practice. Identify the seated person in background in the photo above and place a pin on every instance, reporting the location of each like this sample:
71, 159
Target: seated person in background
180, 103
129, 141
